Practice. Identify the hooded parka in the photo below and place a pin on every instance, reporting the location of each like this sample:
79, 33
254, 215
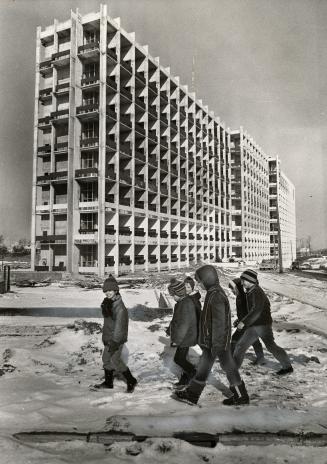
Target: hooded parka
215, 322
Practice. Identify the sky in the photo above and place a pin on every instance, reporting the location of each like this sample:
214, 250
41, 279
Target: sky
260, 64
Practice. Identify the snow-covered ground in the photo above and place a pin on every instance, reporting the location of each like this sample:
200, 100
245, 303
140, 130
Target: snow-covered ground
51, 354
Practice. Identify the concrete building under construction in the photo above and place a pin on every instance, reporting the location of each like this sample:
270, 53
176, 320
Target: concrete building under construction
250, 198
282, 214
131, 171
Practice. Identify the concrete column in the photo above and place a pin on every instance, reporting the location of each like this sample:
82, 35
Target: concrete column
117, 137
73, 145
35, 143
52, 158
242, 194
102, 140
146, 173
133, 120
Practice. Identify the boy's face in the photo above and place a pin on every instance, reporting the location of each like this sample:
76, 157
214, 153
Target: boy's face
246, 284
110, 294
188, 288
176, 298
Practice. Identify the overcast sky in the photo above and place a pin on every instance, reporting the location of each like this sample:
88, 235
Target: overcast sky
261, 64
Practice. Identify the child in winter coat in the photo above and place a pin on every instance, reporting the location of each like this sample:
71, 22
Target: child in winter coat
214, 339
114, 335
241, 309
258, 323
183, 329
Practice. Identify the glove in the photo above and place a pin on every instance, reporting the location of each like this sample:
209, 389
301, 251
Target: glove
113, 346
240, 325
106, 307
235, 323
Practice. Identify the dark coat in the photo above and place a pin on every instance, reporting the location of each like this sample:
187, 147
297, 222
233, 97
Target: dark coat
184, 327
241, 304
196, 297
215, 324
258, 306
115, 325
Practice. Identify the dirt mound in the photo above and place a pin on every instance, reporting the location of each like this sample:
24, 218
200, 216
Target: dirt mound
88, 327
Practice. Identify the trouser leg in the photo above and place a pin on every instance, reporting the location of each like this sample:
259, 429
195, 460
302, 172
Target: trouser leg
204, 366
257, 346
112, 360
235, 338
248, 338
180, 360
258, 349
228, 365
266, 334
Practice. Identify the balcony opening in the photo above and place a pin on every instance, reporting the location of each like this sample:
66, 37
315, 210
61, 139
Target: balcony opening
89, 256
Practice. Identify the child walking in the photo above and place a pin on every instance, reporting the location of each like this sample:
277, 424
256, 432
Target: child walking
183, 329
114, 335
258, 324
241, 309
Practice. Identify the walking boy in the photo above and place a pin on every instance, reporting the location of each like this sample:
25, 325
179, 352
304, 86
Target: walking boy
114, 335
258, 323
183, 329
241, 309
214, 339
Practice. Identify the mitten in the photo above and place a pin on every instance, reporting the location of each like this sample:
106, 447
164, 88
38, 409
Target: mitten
235, 323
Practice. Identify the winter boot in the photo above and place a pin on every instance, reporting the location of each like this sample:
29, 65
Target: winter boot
240, 396
190, 394
243, 397
108, 380
285, 370
131, 381
231, 400
184, 380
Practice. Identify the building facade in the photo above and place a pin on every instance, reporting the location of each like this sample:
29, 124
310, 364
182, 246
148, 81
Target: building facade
282, 214
131, 171
250, 198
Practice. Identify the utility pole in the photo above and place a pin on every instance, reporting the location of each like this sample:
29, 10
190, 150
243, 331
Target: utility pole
279, 235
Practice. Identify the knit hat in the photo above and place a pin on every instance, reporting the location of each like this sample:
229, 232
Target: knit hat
190, 281
176, 287
250, 275
110, 284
